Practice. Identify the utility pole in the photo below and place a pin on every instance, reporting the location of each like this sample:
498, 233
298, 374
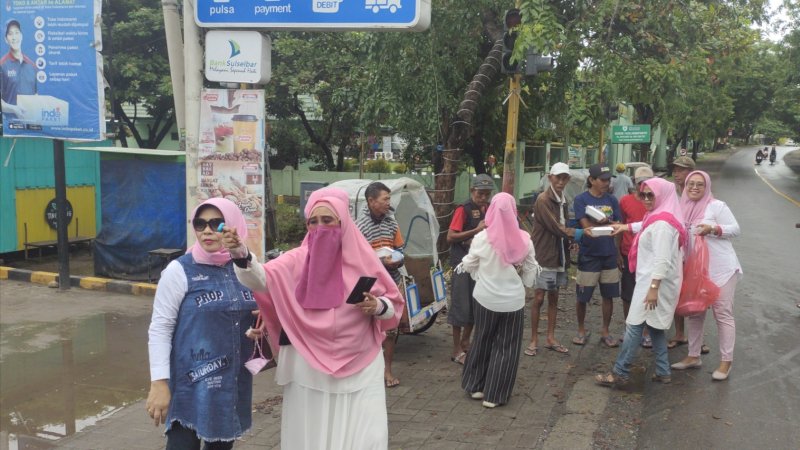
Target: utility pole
193, 74
509, 160
172, 29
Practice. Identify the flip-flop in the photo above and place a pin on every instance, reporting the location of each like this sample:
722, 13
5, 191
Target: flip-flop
558, 348
581, 340
459, 359
676, 343
531, 351
394, 382
609, 341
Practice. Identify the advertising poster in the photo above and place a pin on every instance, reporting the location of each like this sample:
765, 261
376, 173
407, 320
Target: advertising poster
231, 155
51, 81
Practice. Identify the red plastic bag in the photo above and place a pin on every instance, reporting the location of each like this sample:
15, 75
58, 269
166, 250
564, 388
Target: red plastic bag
698, 292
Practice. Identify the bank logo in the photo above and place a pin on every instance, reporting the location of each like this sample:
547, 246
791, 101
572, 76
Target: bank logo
235, 49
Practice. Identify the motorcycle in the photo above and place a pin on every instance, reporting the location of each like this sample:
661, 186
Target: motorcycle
759, 158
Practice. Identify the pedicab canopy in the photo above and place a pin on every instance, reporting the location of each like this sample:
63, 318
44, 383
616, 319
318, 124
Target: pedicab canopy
412, 209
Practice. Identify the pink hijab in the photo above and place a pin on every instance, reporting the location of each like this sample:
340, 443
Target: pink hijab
339, 340
502, 228
233, 218
694, 211
666, 208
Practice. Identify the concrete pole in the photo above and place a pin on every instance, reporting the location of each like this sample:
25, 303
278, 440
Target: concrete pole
172, 29
193, 74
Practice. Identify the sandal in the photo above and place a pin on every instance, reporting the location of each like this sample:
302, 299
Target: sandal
459, 359
610, 379
558, 348
704, 349
581, 339
676, 343
663, 379
647, 342
609, 341
531, 351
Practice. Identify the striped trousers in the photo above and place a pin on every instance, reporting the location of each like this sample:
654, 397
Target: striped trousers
491, 364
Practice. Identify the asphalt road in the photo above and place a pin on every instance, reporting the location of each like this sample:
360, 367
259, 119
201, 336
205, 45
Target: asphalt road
759, 405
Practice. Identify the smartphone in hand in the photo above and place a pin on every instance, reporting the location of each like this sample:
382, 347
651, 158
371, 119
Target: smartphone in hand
364, 284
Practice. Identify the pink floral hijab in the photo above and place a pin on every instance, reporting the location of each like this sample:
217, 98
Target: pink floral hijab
233, 218
694, 211
502, 228
666, 208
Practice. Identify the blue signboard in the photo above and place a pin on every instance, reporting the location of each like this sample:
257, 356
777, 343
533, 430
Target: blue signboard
326, 15
51, 82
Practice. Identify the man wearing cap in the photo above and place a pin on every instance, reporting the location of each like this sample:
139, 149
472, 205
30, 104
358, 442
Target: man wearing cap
597, 258
633, 211
17, 72
622, 184
551, 238
681, 168
468, 220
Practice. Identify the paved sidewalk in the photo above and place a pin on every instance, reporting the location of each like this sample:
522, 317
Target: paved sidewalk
552, 407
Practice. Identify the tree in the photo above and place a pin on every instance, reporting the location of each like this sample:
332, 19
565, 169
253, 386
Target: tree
137, 68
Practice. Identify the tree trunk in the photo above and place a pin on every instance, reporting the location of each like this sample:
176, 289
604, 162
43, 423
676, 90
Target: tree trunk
461, 127
322, 143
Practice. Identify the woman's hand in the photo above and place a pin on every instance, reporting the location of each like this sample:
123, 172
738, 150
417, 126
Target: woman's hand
234, 244
704, 229
158, 401
619, 228
370, 305
651, 299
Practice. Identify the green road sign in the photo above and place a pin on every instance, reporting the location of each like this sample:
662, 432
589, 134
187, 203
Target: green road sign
630, 134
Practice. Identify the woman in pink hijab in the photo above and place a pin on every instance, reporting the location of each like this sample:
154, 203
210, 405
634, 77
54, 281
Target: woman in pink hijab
656, 259
709, 217
329, 351
494, 256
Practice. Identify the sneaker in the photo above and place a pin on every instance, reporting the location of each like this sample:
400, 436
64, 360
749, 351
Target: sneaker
477, 395
489, 404
682, 365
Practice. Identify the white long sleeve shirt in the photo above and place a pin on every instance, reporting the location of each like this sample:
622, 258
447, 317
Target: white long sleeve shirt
723, 262
498, 287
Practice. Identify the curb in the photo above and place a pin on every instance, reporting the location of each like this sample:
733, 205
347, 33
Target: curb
83, 282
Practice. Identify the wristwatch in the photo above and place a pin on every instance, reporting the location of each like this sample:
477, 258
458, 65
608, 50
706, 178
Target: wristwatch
653, 286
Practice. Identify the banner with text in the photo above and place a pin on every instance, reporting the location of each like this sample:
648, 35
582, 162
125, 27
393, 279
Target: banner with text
231, 155
51, 80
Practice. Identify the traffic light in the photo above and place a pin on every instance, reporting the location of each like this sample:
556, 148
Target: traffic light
536, 64
510, 21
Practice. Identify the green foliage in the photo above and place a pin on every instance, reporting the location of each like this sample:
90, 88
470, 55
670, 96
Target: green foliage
378, 166
291, 227
136, 63
400, 168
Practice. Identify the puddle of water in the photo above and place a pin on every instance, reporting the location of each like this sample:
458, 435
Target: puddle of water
56, 380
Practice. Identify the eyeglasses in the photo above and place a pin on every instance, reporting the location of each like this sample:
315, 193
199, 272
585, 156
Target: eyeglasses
695, 185
651, 196
201, 224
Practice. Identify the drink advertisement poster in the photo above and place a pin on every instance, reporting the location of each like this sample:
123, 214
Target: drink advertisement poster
51, 69
231, 155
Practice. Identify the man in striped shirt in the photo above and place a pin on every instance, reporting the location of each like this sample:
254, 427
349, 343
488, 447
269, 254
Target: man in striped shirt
380, 228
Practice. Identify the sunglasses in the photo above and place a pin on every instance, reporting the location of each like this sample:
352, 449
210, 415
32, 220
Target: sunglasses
647, 195
201, 224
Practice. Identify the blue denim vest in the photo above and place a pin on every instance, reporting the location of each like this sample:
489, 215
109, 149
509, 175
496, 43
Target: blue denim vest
211, 389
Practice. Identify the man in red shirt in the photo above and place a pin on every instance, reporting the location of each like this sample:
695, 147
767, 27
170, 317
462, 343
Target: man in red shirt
632, 210
468, 220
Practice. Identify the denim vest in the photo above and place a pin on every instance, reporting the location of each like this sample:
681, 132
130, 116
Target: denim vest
211, 389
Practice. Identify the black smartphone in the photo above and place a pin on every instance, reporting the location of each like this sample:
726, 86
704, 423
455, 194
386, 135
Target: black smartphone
364, 285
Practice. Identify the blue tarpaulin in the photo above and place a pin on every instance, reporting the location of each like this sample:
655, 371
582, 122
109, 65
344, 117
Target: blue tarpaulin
143, 207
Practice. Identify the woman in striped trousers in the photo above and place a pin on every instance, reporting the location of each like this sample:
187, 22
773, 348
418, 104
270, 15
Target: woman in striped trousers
494, 257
